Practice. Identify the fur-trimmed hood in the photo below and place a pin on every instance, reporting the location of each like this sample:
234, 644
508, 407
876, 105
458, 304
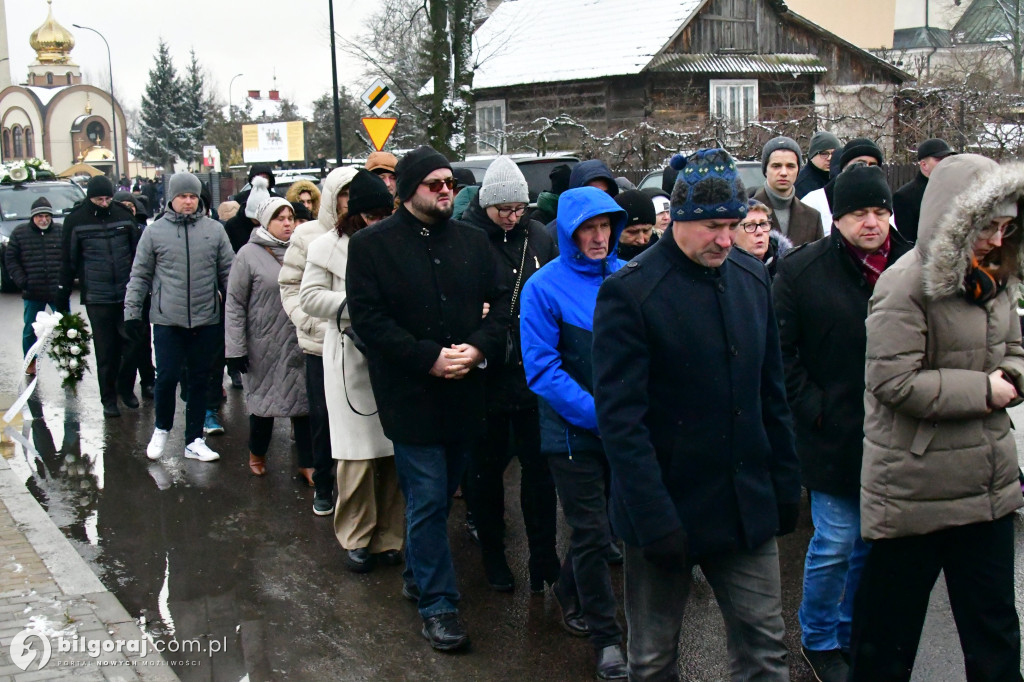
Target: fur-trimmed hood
963, 192
301, 186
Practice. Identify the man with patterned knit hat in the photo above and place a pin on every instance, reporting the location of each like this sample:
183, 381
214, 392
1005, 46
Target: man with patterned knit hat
692, 411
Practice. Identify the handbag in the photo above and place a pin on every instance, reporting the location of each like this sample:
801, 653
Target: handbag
348, 332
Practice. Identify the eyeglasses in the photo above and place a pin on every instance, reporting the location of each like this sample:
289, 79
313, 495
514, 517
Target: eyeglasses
507, 212
436, 185
754, 227
827, 154
1003, 230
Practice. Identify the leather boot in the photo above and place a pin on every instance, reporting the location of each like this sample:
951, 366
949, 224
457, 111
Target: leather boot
499, 575
611, 664
258, 465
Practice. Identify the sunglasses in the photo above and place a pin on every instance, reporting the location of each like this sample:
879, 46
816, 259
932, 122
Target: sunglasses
436, 185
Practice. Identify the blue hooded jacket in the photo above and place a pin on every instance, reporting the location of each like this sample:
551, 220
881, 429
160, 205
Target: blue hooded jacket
556, 325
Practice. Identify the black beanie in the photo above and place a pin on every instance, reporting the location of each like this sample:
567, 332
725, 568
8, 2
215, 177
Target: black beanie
559, 177
367, 192
413, 167
300, 211
99, 186
638, 206
860, 146
668, 179
860, 186
42, 205
262, 169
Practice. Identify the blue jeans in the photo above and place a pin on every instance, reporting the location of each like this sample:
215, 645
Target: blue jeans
192, 349
832, 570
28, 337
429, 476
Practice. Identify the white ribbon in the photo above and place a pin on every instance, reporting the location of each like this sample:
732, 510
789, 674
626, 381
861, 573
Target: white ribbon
44, 328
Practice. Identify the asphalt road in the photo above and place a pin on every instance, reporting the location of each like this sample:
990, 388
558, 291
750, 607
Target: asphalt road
207, 550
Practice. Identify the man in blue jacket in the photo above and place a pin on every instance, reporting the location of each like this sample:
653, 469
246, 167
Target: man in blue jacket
557, 310
591, 173
691, 406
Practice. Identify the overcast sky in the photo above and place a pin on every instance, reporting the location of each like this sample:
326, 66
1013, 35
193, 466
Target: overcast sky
255, 38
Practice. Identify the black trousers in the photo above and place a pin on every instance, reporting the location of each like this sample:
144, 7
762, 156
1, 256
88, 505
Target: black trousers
319, 426
115, 352
513, 434
144, 350
892, 599
580, 480
261, 428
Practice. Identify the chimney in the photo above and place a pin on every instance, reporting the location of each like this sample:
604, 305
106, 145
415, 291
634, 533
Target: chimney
254, 94
275, 95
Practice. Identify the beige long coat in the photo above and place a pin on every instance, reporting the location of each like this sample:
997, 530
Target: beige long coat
935, 455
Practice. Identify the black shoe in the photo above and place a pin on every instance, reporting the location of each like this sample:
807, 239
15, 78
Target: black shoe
572, 614
323, 505
110, 410
826, 666
499, 575
611, 664
359, 560
474, 535
445, 632
390, 557
411, 592
130, 401
236, 380
544, 569
614, 555
147, 391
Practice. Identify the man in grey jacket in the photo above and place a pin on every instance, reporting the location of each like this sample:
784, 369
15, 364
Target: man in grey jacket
184, 259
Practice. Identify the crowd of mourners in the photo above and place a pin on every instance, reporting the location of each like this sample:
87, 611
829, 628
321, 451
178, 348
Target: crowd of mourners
673, 366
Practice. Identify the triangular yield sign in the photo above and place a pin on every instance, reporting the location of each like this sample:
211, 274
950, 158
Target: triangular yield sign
379, 130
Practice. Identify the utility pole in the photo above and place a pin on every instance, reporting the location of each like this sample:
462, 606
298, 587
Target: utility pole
334, 75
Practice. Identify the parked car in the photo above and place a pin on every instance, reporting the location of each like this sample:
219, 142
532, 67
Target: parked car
750, 174
16, 208
535, 169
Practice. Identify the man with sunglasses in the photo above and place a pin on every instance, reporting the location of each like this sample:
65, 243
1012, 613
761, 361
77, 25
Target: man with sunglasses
417, 282
814, 175
821, 301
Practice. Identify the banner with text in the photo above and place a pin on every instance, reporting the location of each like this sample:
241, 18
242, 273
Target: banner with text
270, 142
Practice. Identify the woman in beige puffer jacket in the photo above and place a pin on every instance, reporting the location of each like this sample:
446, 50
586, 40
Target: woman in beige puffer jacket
939, 480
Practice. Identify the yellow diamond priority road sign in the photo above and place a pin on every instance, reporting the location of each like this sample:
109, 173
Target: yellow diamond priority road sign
378, 97
379, 130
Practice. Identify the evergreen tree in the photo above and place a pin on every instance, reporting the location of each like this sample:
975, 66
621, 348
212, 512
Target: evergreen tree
192, 123
159, 139
320, 131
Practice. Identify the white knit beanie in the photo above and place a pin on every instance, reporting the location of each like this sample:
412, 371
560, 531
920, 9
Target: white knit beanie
503, 184
265, 213
259, 193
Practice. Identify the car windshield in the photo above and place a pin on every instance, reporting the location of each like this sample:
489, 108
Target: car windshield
16, 202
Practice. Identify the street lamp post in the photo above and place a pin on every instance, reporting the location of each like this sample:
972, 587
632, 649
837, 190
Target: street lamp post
113, 107
334, 75
231, 109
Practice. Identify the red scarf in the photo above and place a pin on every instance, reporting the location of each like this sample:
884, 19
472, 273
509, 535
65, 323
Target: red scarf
871, 264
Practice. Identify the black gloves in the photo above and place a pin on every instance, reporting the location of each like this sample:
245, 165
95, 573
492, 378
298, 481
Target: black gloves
239, 365
135, 330
669, 553
62, 305
789, 512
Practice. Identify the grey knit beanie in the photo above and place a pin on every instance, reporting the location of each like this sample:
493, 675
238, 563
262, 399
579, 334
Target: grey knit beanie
777, 143
183, 183
503, 184
822, 141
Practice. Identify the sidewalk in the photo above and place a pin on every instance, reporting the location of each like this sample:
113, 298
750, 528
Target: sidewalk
45, 585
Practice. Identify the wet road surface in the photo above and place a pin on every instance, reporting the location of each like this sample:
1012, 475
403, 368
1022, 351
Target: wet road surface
205, 550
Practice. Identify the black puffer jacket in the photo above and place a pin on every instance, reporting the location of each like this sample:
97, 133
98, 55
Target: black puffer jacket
98, 247
506, 380
33, 261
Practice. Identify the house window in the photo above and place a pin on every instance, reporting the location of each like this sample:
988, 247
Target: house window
18, 143
734, 100
30, 147
68, 76
490, 126
7, 143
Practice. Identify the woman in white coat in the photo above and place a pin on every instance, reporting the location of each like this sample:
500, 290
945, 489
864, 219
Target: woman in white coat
369, 514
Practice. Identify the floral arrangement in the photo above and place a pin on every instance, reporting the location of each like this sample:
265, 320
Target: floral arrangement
27, 169
68, 349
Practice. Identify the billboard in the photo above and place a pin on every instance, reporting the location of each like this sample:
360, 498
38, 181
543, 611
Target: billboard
270, 142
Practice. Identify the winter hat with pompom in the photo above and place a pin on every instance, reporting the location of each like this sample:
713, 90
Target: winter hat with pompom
707, 187
259, 193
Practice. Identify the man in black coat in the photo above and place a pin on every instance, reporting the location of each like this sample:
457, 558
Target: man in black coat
692, 411
520, 247
417, 283
906, 201
99, 239
821, 301
32, 259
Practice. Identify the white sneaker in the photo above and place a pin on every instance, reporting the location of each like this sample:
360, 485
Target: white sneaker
198, 449
157, 443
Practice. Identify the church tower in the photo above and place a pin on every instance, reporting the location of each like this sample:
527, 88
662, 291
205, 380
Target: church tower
53, 44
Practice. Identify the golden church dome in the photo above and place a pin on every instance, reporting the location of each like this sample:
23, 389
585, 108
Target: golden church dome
51, 41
